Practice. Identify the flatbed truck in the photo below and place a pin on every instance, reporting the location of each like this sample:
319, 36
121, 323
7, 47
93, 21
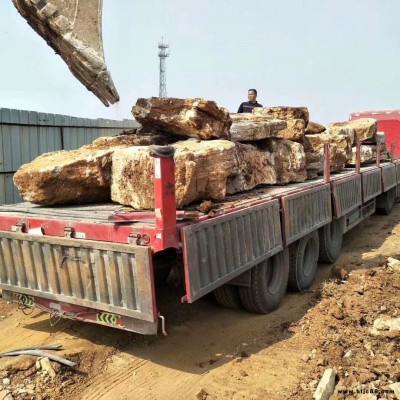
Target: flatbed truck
98, 263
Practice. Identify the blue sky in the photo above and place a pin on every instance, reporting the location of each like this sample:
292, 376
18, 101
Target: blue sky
334, 57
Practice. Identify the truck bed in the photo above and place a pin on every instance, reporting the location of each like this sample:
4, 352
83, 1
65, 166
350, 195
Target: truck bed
99, 213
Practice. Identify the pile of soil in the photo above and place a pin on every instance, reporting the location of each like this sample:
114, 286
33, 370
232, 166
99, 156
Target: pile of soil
340, 331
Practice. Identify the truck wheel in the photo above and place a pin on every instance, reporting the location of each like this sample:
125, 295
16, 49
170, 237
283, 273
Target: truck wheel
385, 202
330, 241
267, 284
228, 296
303, 260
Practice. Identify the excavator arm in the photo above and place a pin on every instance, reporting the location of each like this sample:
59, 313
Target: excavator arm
73, 29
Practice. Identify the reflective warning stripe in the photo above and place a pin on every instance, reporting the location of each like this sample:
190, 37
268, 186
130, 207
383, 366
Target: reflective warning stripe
110, 319
27, 301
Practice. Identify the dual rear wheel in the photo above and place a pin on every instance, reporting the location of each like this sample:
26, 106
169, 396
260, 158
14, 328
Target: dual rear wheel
385, 202
268, 282
293, 268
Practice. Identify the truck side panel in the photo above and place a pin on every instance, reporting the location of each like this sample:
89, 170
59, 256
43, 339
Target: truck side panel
347, 195
388, 176
305, 212
218, 250
371, 184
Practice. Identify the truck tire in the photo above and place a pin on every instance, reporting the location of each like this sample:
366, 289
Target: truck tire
303, 261
228, 296
267, 284
385, 202
330, 241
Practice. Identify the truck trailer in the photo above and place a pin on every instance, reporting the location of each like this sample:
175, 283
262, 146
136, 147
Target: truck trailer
98, 262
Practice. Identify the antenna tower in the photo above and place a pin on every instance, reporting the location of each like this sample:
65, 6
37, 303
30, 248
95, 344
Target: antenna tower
163, 54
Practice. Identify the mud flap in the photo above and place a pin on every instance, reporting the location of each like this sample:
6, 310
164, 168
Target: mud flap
113, 279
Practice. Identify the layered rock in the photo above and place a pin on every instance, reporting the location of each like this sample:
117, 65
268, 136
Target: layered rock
76, 176
110, 142
314, 164
197, 118
364, 128
257, 130
254, 166
201, 171
294, 131
380, 137
339, 130
289, 161
313, 128
340, 148
285, 113
367, 154
237, 117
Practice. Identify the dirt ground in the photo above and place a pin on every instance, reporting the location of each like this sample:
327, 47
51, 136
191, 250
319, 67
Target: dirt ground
215, 353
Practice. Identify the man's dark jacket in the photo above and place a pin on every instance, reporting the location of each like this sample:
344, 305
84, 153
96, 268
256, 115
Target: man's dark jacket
247, 107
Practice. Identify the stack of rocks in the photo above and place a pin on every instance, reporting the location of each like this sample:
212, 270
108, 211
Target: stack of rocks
76, 176
219, 154
365, 132
216, 154
343, 138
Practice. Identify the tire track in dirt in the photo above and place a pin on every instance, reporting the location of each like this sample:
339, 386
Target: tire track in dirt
150, 381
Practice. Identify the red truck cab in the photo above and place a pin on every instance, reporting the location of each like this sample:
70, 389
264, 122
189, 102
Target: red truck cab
388, 122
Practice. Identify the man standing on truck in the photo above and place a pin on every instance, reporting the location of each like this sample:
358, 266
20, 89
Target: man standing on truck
247, 106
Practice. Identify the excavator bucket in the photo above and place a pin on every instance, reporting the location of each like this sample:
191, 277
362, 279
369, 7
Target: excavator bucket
73, 29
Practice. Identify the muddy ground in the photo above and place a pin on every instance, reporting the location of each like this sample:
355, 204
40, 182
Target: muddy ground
214, 353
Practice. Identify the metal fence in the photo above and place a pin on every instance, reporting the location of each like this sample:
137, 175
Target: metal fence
24, 135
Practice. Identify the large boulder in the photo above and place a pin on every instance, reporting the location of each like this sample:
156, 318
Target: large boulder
285, 113
201, 171
313, 127
250, 127
254, 167
364, 128
289, 161
256, 130
340, 148
76, 176
197, 118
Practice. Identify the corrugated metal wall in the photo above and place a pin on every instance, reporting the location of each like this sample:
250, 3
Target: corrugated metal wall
25, 135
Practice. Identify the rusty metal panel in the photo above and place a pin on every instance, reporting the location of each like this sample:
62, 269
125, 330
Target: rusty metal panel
217, 250
371, 184
116, 278
305, 211
347, 195
389, 179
